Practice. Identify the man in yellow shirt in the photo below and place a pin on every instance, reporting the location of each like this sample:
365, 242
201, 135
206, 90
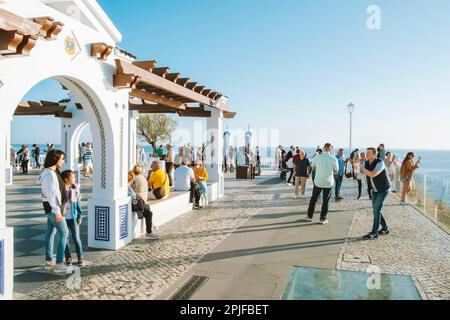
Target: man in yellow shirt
201, 176
159, 182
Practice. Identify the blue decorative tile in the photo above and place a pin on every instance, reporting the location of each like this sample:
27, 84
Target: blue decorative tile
2, 268
123, 221
102, 223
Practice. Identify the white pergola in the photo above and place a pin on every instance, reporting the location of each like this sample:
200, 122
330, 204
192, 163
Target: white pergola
44, 39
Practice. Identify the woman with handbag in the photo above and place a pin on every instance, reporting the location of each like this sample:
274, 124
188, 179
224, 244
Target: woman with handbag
141, 208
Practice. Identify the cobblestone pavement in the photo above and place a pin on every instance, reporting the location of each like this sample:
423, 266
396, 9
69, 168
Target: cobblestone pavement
415, 247
142, 269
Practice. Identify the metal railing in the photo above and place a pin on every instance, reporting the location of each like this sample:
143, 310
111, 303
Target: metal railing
431, 196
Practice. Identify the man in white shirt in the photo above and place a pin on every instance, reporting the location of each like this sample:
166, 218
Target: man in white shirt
185, 181
184, 177
326, 166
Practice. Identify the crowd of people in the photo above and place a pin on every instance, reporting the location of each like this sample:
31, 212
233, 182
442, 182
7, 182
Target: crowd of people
377, 170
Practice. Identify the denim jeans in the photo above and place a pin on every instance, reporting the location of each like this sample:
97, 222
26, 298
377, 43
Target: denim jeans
337, 188
75, 231
378, 218
63, 233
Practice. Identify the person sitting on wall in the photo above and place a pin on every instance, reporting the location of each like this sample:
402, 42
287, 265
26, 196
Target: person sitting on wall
178, 158
185, 181
201, 176
139, 206
158, 182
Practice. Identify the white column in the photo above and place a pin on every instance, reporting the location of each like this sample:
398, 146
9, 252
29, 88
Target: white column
6, 234
132, 138
8, 168
214, 151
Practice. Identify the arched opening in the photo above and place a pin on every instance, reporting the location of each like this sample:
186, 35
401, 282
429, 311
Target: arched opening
64, 121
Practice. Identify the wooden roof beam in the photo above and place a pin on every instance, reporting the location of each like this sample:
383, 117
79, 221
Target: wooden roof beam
206, 92
172, 77
101, 50
199, 89
191, 85
157, 99
146, 65
183, 81
49, 27
124, 67
161, 71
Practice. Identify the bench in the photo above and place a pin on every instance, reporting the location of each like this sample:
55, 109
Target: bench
175, 205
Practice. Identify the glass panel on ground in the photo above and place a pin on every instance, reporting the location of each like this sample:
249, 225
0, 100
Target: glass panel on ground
322, 284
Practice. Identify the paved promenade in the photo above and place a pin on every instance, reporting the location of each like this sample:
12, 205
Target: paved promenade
246, 245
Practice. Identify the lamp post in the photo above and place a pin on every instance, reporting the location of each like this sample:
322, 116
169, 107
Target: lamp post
351, 109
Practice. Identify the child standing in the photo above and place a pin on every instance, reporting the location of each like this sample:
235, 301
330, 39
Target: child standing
74, 216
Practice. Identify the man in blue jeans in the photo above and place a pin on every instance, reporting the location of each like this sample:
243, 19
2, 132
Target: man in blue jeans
376, 173
340, 175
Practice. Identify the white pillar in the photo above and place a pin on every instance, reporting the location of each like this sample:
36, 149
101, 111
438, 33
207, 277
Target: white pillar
132, 138
6, 234
7, 158
214, 150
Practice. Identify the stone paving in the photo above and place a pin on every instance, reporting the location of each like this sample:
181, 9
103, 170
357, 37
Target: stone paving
142, 269
415, 247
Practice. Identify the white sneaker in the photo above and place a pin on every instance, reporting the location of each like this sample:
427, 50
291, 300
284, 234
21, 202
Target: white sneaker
63, 268
404, 203
50, 264
323, 221
308, 219
151, 236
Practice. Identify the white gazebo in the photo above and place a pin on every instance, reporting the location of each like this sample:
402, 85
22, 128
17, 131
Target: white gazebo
75, 43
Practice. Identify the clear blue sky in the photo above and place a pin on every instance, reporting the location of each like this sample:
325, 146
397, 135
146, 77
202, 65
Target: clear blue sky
296, 64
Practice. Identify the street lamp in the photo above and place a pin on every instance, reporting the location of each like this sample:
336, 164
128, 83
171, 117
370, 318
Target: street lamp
351, 109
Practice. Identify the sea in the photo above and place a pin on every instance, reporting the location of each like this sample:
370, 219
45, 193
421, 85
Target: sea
435, 166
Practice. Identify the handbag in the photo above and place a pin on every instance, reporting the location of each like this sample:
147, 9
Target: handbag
348, 169
138, 206
160, 192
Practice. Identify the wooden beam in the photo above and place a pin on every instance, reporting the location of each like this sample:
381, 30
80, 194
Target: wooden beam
12, 22
191, 85
101, 50
199, 89
151, 108
212, 95
229, 115
206, 92
124, 67
183, 81
65, 115
161, 71
49, 27
125, 81
195, 112
146, 65
158, 99
172, 77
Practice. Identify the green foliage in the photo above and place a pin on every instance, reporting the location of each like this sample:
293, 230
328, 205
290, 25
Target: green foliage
156, 128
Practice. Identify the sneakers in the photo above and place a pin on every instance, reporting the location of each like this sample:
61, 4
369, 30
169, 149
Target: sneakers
339, 198
62, 268
81, 262
404, 203
151, 236
308, 219
324, 221
370, 236
50, 264
383, 232
68, 261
